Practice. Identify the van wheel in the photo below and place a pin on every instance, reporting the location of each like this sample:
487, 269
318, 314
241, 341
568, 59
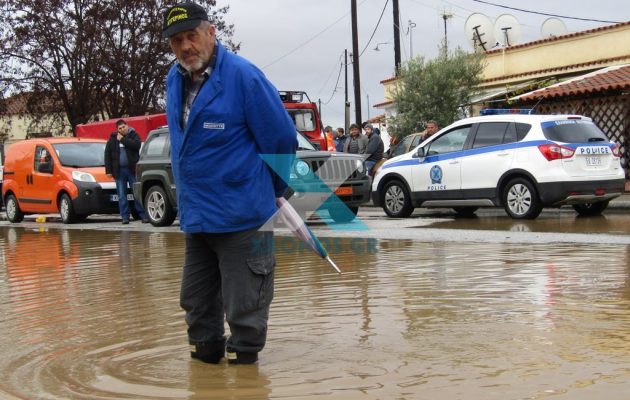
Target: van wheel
66, 209
343, 214
396, 200
14, 214
590, 209
158, 207
520, 199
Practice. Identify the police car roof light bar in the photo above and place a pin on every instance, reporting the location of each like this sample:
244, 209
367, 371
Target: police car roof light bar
497, 111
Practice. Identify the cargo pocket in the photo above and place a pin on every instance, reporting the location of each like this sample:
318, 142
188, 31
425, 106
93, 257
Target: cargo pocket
261, 285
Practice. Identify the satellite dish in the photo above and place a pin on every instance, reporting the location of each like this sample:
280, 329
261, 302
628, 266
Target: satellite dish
478, 30
507, 30
553, 27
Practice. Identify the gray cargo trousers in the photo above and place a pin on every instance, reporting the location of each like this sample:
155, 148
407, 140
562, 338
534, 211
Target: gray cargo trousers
229, 274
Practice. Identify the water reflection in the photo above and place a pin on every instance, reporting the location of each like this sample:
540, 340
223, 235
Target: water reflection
95, 314
616, 224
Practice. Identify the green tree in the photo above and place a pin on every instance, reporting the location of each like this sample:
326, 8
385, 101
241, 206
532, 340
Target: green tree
434, 90
93, 58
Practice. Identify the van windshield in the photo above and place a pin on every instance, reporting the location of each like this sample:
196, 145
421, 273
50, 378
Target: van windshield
81, 155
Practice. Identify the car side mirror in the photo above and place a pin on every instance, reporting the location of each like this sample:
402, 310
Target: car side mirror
420, 153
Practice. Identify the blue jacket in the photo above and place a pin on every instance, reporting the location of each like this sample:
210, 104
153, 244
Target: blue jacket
223, 184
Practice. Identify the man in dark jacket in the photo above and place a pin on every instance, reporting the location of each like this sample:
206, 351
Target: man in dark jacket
121, 156
374, 149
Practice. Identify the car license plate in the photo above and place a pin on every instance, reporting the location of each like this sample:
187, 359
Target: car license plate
593, 161
344, 191
114, 197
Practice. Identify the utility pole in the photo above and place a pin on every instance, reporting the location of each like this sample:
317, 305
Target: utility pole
396, 38
446, 16
355, 64
319, 108
347, 103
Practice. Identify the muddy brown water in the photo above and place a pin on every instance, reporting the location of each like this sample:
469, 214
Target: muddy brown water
95, 315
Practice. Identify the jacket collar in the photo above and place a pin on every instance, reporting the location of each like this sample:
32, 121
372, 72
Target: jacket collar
211, 88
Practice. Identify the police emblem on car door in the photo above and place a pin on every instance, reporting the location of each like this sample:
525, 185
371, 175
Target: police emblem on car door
438, 175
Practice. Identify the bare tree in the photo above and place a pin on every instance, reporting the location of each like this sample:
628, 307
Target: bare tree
93, 58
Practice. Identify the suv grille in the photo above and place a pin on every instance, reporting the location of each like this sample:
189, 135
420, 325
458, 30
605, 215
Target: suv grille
333, 169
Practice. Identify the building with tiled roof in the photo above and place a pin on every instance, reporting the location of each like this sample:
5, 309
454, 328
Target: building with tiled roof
585, 72
24, 116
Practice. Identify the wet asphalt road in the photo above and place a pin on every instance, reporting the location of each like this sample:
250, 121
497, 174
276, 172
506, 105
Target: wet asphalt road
556, 225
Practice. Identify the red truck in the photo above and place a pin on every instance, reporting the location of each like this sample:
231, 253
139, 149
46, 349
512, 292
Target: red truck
302, 110
102, 129
304, 114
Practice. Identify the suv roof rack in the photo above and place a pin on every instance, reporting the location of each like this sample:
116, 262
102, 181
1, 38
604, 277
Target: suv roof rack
497, 111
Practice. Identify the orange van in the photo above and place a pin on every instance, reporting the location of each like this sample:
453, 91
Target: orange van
58, 175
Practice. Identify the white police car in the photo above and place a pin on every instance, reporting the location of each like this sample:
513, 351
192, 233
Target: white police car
507, 158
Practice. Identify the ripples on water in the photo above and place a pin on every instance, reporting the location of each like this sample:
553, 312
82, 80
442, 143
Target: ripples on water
95, 315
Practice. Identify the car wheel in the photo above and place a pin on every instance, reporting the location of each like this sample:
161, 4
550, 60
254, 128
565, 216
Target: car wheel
396, 200
158, 207
465, 211
66, 209
343, 214
520, 199
12, 208
590, 209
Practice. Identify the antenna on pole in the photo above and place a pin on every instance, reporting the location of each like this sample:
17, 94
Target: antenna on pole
411, 25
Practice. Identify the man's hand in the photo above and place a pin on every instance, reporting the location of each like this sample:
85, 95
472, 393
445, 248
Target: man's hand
119, 137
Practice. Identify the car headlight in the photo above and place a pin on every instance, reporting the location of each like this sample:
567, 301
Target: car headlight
360, 166
83, 176
302, 168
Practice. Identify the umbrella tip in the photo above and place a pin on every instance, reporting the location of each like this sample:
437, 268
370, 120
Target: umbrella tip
333, 265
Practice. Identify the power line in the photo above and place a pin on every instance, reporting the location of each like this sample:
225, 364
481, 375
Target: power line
329, 75
546, 14
375, 28
309, 40
336, 83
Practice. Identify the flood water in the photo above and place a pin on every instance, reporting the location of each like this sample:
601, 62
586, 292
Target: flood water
90, 314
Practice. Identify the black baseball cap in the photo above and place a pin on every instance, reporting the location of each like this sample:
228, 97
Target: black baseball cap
182, 17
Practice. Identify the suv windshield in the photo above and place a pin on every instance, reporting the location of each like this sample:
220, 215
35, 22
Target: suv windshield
81, 155
573, 131
304, 144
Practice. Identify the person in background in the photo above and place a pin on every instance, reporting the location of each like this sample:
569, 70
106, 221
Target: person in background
375, 147
340, 139
374, 128
431, 129
357, 142
223, 116
329, 134
122, 153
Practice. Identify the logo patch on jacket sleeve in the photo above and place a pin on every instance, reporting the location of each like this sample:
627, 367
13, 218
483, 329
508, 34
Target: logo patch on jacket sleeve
213, 125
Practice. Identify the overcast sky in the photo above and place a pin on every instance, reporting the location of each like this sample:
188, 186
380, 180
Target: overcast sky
299, 44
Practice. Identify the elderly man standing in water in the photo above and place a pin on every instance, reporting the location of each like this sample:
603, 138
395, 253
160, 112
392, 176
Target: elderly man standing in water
223, 114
